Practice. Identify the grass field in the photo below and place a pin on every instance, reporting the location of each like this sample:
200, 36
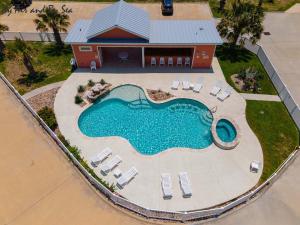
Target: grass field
275, 130
233, 61
52, 65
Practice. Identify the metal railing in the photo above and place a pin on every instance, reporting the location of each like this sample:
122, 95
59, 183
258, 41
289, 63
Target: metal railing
280, 86
150, 213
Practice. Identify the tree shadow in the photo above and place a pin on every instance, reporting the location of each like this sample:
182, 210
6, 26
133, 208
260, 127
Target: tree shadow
29, 79
54, 50
233, 53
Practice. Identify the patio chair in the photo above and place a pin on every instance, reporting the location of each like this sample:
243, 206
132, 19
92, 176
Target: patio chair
223, 94
255, 166
161, 61
166, 184
186, 85
216, 88
179, 61
185, 184
198, 85
127, 177
100, 157
170, 61
175, 84
93, 66
153, 61
110, 165
187, 61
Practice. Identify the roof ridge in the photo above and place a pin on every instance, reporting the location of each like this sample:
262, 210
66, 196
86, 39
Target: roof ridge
118, 14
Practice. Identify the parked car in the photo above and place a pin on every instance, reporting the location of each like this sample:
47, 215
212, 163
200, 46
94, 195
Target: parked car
167, 7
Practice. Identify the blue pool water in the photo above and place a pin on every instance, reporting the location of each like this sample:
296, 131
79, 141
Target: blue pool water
149, 127
226, 131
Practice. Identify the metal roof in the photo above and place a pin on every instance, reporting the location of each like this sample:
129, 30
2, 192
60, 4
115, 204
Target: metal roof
122, 15
184, 32
78, 33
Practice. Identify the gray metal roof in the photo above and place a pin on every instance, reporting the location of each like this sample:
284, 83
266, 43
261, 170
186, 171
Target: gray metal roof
184, 32
122, 15
78, 33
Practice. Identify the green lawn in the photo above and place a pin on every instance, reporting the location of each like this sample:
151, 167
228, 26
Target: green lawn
277, 5
232, 61
52, 64
276, 131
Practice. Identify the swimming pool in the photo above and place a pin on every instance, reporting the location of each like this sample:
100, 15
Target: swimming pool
149, 127
225, 130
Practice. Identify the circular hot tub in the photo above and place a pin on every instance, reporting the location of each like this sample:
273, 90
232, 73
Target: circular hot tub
225, 133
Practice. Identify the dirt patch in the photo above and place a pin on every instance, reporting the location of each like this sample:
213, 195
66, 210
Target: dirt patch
159, 95
46, 98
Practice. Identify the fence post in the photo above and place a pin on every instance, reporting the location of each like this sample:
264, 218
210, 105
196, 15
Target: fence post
21, 36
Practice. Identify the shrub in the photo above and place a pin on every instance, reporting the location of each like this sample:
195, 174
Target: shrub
80, 89
102, 81
64, 140
48, 116
78, 99
91, 83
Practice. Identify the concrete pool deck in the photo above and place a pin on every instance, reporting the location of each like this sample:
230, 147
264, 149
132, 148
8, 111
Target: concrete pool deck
216, 175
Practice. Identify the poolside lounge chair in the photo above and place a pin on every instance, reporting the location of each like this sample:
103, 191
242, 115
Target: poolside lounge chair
187, 61
198, 85
216, 88
93, 65
170, 61
254, 166
166, 184
110, 165
179, 61
225, 93
175, 84
161, 61
100, 157
127, 177
186, 85
153, 61
185, 184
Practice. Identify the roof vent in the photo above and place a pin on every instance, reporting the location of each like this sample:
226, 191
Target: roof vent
80, 29
201, 28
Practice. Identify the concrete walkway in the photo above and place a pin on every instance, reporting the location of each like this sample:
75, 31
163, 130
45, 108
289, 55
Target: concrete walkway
42, 90
259, 97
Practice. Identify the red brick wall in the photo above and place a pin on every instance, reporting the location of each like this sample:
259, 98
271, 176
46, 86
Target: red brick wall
84, 59
117, 33
203, 56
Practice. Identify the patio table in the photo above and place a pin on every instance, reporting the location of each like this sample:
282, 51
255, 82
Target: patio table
123, 55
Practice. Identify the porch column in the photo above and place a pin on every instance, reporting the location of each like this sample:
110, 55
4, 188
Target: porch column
143, 57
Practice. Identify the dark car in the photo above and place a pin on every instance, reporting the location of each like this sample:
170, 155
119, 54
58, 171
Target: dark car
167, 7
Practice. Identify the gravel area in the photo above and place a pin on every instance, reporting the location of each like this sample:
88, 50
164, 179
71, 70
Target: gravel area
44, 99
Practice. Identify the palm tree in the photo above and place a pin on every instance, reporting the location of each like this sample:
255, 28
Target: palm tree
54, 20
222, 5
22, 47
260, 2
3, 28
243, 19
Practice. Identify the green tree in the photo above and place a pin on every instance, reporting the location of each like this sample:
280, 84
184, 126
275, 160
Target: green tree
243, 20
54, 20
21, 4
25, 49
3, 28
222, 4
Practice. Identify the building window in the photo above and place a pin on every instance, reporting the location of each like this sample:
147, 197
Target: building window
85, 48
204, 55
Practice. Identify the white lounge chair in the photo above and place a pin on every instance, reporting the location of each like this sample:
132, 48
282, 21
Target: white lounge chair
170, 61
179, 61
93, 65
161, 61
216, 88
100, 157
110, 165
187, 61
186, 85
198, 85
254, 166
185, 184
175, 84
224, 94
127, 176
166, 184
153, 61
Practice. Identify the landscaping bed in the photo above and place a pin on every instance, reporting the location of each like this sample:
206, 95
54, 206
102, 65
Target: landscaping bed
159, 95
52, 65
233, 61
276, 131
42, 100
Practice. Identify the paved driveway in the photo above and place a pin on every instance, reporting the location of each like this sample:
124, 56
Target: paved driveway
23, 21
283, 48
